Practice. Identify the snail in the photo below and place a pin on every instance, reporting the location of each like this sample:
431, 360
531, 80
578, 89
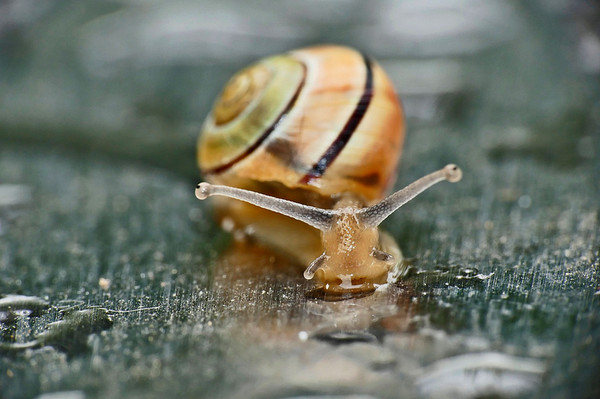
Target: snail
301, 149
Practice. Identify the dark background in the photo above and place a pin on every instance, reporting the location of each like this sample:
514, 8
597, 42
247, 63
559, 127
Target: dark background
100, 106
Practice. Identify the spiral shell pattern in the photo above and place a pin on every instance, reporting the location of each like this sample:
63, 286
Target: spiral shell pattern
324, 119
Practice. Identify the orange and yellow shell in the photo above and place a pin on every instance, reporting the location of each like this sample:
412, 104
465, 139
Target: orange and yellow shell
309, 125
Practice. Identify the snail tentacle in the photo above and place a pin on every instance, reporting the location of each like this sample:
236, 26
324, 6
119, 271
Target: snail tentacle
382, 255
310, 271
374, 215
318, 218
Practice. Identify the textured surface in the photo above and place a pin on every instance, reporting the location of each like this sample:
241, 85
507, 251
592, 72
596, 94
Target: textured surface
100, 229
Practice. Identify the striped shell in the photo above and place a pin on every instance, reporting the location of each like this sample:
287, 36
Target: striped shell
322, 118
307, 125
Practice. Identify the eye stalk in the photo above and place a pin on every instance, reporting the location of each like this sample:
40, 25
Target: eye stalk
318, 218
374, 215
345, 229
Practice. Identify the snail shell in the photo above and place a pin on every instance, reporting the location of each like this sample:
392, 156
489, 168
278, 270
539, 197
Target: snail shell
311, 126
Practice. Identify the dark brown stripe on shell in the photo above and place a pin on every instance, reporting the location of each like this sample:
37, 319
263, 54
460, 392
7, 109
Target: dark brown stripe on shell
251, 148
349, 128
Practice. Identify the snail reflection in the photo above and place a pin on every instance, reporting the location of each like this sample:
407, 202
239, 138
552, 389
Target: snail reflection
261, 295
301, 149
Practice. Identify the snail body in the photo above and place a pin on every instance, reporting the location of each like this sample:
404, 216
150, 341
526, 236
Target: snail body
315, 136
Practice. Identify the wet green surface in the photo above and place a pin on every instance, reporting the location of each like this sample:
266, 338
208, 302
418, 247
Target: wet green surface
139, 293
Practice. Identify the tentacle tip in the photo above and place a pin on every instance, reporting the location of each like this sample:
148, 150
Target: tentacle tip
382, 255
452, 173
203, 190
308, 274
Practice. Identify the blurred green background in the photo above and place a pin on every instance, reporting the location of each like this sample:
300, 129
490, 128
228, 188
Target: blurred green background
100, 106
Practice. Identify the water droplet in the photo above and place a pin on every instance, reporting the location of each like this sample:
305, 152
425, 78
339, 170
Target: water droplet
524, 201
303, 336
